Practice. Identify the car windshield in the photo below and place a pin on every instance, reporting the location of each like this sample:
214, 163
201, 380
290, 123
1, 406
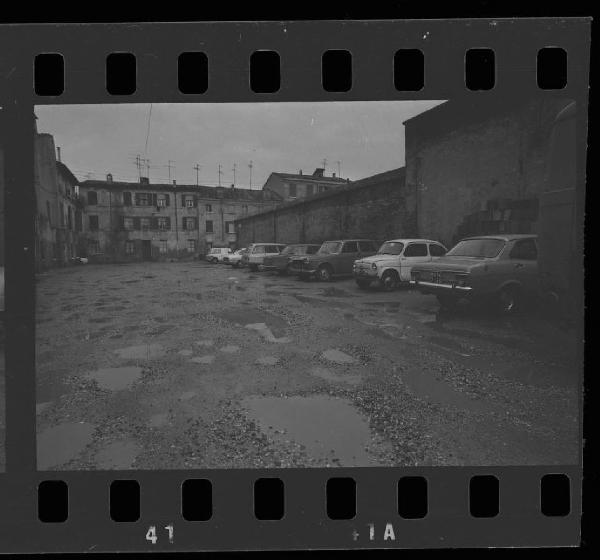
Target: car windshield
290, 249
391, 248
330, 248
477, 248
258, 249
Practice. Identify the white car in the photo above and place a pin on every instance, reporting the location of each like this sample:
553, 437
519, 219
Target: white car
217, 254
235, 258
257, 252
392, 264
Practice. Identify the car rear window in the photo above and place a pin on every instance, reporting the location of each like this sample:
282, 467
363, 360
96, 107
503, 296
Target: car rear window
436, 250
312, 249
258, 249
416, 250
350, 247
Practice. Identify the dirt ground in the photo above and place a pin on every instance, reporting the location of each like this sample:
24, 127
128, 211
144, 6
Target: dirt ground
191, 365
2, 400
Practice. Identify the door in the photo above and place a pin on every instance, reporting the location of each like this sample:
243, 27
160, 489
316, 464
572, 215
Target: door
414, 253
345, 260
523, 264
147, 250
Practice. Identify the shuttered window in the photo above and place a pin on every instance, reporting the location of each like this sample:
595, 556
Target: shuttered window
92, 198
127, 199
209, 226
93, 221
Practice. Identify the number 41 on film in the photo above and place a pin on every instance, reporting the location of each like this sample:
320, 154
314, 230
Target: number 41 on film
153, 537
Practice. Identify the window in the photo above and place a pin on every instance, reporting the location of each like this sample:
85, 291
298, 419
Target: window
292, 191
367, 247
320, 188
93, 246
485, 248
209, 226
162, 247
229, 227
391, 248
524, 250
189, 201
209, 207
128, 224
93, 221
145, 224
312, 249
163, 224
92, 198
244, 209
191, 247
129, 247
189, 223
350, 247
436, 250
127, 199
310, 189
161, 201
142, 199
416, 250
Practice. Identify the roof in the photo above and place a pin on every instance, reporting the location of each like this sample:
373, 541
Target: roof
419, 240
505, 237
203, 191
309, 178
64, 170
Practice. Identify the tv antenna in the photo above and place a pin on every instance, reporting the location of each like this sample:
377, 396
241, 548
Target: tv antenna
197, 167
250, 166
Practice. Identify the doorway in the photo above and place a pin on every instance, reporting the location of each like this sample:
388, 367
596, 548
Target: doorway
147, 250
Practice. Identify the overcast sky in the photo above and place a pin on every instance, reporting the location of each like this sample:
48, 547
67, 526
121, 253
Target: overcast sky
366, 137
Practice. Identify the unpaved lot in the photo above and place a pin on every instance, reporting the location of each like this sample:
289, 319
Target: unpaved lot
185, 365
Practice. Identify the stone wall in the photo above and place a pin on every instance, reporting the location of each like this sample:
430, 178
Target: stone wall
378, 207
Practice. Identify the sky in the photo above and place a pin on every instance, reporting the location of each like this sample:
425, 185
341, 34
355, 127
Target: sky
366, 137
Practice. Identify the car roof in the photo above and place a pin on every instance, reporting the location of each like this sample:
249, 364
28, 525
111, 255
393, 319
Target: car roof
417, 240
346, 240
505, 237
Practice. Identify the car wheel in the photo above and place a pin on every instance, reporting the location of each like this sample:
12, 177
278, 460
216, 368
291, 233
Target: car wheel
324, 273
508, 300
446, 301
362, 284
390, 281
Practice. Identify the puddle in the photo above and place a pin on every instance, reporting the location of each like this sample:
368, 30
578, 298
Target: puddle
204, 343
332, 291
230, 349
266, 333
40, 407
140, 352
115, 379
187, 395
185, 352
425, 385
328, 375
267, 361
62, 443
243, 317
317, 301
158, 420
329, 429
338, 357
118, 455
203, 359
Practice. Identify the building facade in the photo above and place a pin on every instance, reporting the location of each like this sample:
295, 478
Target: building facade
124, 221
377, 207
478, 167
58, 222
290, 186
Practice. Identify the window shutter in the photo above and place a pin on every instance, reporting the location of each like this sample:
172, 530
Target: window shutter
183, 201
154, 197
168, 222
137, 199
137, 223
127, 198
122, 223
154, 223
166, 200
195, 201
195, 223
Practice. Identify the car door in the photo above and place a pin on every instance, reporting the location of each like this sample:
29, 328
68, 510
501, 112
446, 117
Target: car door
414, 253
523, 263
346, 258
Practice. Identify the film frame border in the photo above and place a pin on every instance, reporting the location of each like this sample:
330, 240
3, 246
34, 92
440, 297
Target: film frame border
229, 46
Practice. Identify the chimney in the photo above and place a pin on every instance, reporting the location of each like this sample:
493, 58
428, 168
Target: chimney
174, 182
58, 153
301, 172
318, 172
109, 178
144, 180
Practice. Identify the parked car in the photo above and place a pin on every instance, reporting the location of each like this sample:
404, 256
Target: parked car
216, 254
333, 259
257, 252
281, 262
392, 264
235, 258
501, 269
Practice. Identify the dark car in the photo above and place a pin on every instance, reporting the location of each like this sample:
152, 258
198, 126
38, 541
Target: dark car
495, 268
333, 259
281, 262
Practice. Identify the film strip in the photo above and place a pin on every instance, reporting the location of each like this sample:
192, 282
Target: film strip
413, 501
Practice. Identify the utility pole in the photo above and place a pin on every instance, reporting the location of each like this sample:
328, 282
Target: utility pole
250, 165
233, 169
220, 173
197, 168
339, 164
147, 169
169, 168
138, 165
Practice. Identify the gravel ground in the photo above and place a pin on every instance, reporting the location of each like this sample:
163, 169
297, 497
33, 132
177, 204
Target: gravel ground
419, 387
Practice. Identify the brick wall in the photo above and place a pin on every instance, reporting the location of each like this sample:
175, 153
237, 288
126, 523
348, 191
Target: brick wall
377, 207
460, 159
